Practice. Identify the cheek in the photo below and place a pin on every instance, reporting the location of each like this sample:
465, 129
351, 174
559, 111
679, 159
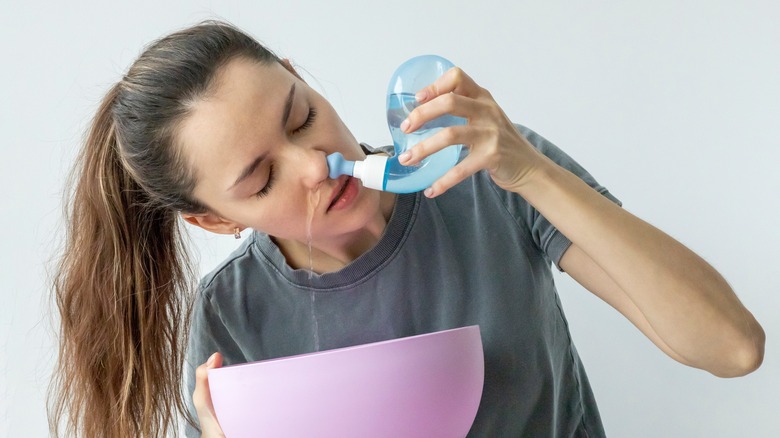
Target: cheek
282, 218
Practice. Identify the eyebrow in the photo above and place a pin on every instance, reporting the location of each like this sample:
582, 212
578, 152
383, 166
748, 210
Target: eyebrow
250, 169
288, 106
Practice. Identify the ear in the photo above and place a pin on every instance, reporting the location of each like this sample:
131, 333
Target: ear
213, 223
288, 66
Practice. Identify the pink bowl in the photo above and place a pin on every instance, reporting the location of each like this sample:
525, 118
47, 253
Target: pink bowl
421, 386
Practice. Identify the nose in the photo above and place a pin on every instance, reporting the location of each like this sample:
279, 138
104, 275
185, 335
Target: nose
312, 166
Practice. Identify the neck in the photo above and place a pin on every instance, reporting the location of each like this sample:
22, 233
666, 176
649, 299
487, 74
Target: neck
331, 256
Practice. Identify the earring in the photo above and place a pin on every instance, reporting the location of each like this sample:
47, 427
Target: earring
237, 233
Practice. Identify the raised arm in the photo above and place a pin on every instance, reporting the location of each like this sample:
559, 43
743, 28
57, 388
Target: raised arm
672, 295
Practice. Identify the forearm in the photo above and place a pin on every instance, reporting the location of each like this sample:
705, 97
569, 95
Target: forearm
688, 304
685, 301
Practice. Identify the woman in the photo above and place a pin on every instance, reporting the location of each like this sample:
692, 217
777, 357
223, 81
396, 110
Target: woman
209, 126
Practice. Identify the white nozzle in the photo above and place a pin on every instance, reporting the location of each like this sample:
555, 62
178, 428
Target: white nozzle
371, 171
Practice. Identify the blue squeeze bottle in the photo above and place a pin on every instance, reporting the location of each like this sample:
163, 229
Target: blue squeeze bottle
386, 173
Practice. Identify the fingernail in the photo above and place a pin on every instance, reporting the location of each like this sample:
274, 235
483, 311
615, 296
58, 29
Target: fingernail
406, 156
428, 192
211, 360
420, 96
405, 125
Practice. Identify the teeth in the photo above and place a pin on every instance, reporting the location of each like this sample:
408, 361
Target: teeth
341, 192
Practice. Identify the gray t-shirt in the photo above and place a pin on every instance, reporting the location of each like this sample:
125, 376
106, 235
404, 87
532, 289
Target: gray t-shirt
474, 255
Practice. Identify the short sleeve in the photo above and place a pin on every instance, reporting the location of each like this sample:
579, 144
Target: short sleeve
544, 235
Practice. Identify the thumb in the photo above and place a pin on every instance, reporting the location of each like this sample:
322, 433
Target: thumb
202, 398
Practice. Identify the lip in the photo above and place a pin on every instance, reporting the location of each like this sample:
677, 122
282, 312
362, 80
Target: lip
343, 193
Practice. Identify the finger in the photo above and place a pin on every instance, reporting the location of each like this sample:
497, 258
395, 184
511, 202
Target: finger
469, 166
201, 398
450, 103
461, 134
202, 395
453, 80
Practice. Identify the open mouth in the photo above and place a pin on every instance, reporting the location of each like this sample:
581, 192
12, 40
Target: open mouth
340, 192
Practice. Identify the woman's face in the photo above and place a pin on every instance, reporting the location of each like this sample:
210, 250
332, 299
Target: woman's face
258, 144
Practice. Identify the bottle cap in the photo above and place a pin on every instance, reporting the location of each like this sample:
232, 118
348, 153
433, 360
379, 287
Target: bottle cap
371, 171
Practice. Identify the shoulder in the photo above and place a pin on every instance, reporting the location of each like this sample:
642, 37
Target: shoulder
544, 145
564, 160
231, 266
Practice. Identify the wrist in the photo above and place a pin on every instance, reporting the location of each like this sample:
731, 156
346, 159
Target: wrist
540, 175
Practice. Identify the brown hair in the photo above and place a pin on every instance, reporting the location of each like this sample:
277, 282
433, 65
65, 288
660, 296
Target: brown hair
123, 281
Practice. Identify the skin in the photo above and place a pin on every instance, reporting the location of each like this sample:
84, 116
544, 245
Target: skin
668, 292
242, 120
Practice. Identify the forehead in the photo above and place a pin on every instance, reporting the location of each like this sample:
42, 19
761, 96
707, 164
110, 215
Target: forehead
243, 92
241, 113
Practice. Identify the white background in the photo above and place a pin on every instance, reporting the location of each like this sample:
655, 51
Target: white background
673, 105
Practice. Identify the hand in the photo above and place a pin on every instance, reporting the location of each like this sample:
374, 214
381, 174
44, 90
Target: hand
201, 398
493, 141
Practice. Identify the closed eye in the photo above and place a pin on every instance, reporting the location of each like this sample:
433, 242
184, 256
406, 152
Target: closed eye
264, 191
309, 121
306, 124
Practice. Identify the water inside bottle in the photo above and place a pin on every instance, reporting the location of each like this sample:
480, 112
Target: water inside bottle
399, 107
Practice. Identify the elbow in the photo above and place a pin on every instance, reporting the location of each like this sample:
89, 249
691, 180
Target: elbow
744, 358
752, 355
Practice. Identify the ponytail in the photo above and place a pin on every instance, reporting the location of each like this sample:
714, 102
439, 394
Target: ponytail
121, 290
123, 280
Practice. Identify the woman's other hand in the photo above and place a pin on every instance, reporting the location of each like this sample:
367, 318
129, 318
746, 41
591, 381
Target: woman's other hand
201, 398
493, 141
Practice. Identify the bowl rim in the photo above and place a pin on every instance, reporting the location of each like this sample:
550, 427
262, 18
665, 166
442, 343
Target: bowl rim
358, 347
